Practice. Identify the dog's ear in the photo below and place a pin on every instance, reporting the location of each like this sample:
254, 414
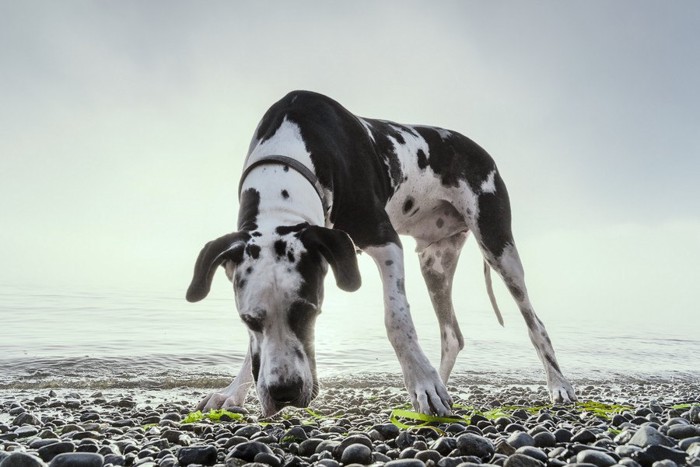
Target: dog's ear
339, 250
229, 247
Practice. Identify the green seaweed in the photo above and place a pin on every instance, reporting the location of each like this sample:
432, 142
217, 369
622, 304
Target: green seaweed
602, 409
684, 406
213, 415
408, 419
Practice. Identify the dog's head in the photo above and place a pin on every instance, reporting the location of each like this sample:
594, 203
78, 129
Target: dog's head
277, 279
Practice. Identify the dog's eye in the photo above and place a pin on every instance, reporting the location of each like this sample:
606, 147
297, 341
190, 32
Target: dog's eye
254, 324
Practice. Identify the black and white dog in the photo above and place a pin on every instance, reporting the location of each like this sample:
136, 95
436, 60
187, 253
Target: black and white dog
319, 183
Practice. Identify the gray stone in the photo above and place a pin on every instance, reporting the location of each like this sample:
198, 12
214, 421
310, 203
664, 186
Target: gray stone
521, 460
77, 459
47, 453
694, 450
592, 456
22, 459
202, 455
356, 454
533, 452
247, 451
664, 463
583, 436
470, 444
649, 436
682, 431
684, 444
428, 455
520, 439
25, 418
405, 463
544, 439
657, 452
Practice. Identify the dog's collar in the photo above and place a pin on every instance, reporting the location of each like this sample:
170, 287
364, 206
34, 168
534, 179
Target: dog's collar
294, 164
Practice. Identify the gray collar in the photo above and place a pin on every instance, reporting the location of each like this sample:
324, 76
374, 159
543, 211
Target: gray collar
294, 164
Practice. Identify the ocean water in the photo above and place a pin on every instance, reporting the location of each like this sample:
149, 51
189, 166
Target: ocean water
60, 339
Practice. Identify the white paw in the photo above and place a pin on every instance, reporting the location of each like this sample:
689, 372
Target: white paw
219, 400
429, 394
562, 392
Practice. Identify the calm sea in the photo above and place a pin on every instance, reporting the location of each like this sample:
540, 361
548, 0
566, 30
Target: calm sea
85, 340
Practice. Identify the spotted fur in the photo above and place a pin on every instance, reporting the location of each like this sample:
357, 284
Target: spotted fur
379, 180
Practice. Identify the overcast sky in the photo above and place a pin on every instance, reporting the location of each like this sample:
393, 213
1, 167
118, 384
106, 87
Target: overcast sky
124, 125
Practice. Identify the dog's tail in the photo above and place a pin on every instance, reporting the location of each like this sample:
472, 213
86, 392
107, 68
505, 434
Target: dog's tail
489, 289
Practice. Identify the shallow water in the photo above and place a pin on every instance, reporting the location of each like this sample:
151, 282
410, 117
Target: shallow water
63, 339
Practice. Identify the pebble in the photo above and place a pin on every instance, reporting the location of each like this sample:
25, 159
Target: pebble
77, 459
111, 430
356, 454
592, 456
202, 455
470, 444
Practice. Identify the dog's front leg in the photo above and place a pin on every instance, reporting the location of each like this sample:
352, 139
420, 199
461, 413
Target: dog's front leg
426, 389
235, 393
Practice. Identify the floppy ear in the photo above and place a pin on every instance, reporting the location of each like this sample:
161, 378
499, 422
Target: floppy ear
228, 247
339, 250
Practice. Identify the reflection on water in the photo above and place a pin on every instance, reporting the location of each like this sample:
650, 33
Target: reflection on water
63, 338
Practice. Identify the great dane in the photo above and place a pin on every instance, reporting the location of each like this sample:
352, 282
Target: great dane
319, 184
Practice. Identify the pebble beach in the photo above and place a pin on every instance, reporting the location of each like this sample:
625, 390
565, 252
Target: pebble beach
642, 423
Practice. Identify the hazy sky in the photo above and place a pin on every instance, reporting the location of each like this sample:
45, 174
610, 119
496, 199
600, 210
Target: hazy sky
123, 128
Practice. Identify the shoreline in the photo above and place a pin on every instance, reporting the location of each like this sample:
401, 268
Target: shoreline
351, 421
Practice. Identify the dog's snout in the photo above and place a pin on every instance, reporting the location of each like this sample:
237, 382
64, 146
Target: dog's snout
286, 392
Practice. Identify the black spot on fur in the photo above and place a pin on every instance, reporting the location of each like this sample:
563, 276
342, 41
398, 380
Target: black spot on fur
400, 286
429, 262
457, 158
286, 168
255, 361
494, 218
253, 250
440, 222
249, 210
389, 262
256, 234
552, 362
407, 205
280, 247
301, 318
286, 229
290, 256
422, 159
285, 194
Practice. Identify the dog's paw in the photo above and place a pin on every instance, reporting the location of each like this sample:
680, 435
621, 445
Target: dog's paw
562, 392
220, 400
429, 394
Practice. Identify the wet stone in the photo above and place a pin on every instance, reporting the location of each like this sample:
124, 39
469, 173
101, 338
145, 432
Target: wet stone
520, 439
77, 459
521, 460
649, 436
202, 455
591, 456
247, 451
22, 459
356, 454
47, 453
682, 431
470, 444
533, 452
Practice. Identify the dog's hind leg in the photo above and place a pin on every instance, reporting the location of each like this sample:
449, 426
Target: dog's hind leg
438, 262
491, 226
234, 394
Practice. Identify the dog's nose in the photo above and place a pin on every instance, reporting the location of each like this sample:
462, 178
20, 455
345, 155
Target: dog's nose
286, 391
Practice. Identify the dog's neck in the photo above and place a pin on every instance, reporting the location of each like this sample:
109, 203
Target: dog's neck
280, 198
